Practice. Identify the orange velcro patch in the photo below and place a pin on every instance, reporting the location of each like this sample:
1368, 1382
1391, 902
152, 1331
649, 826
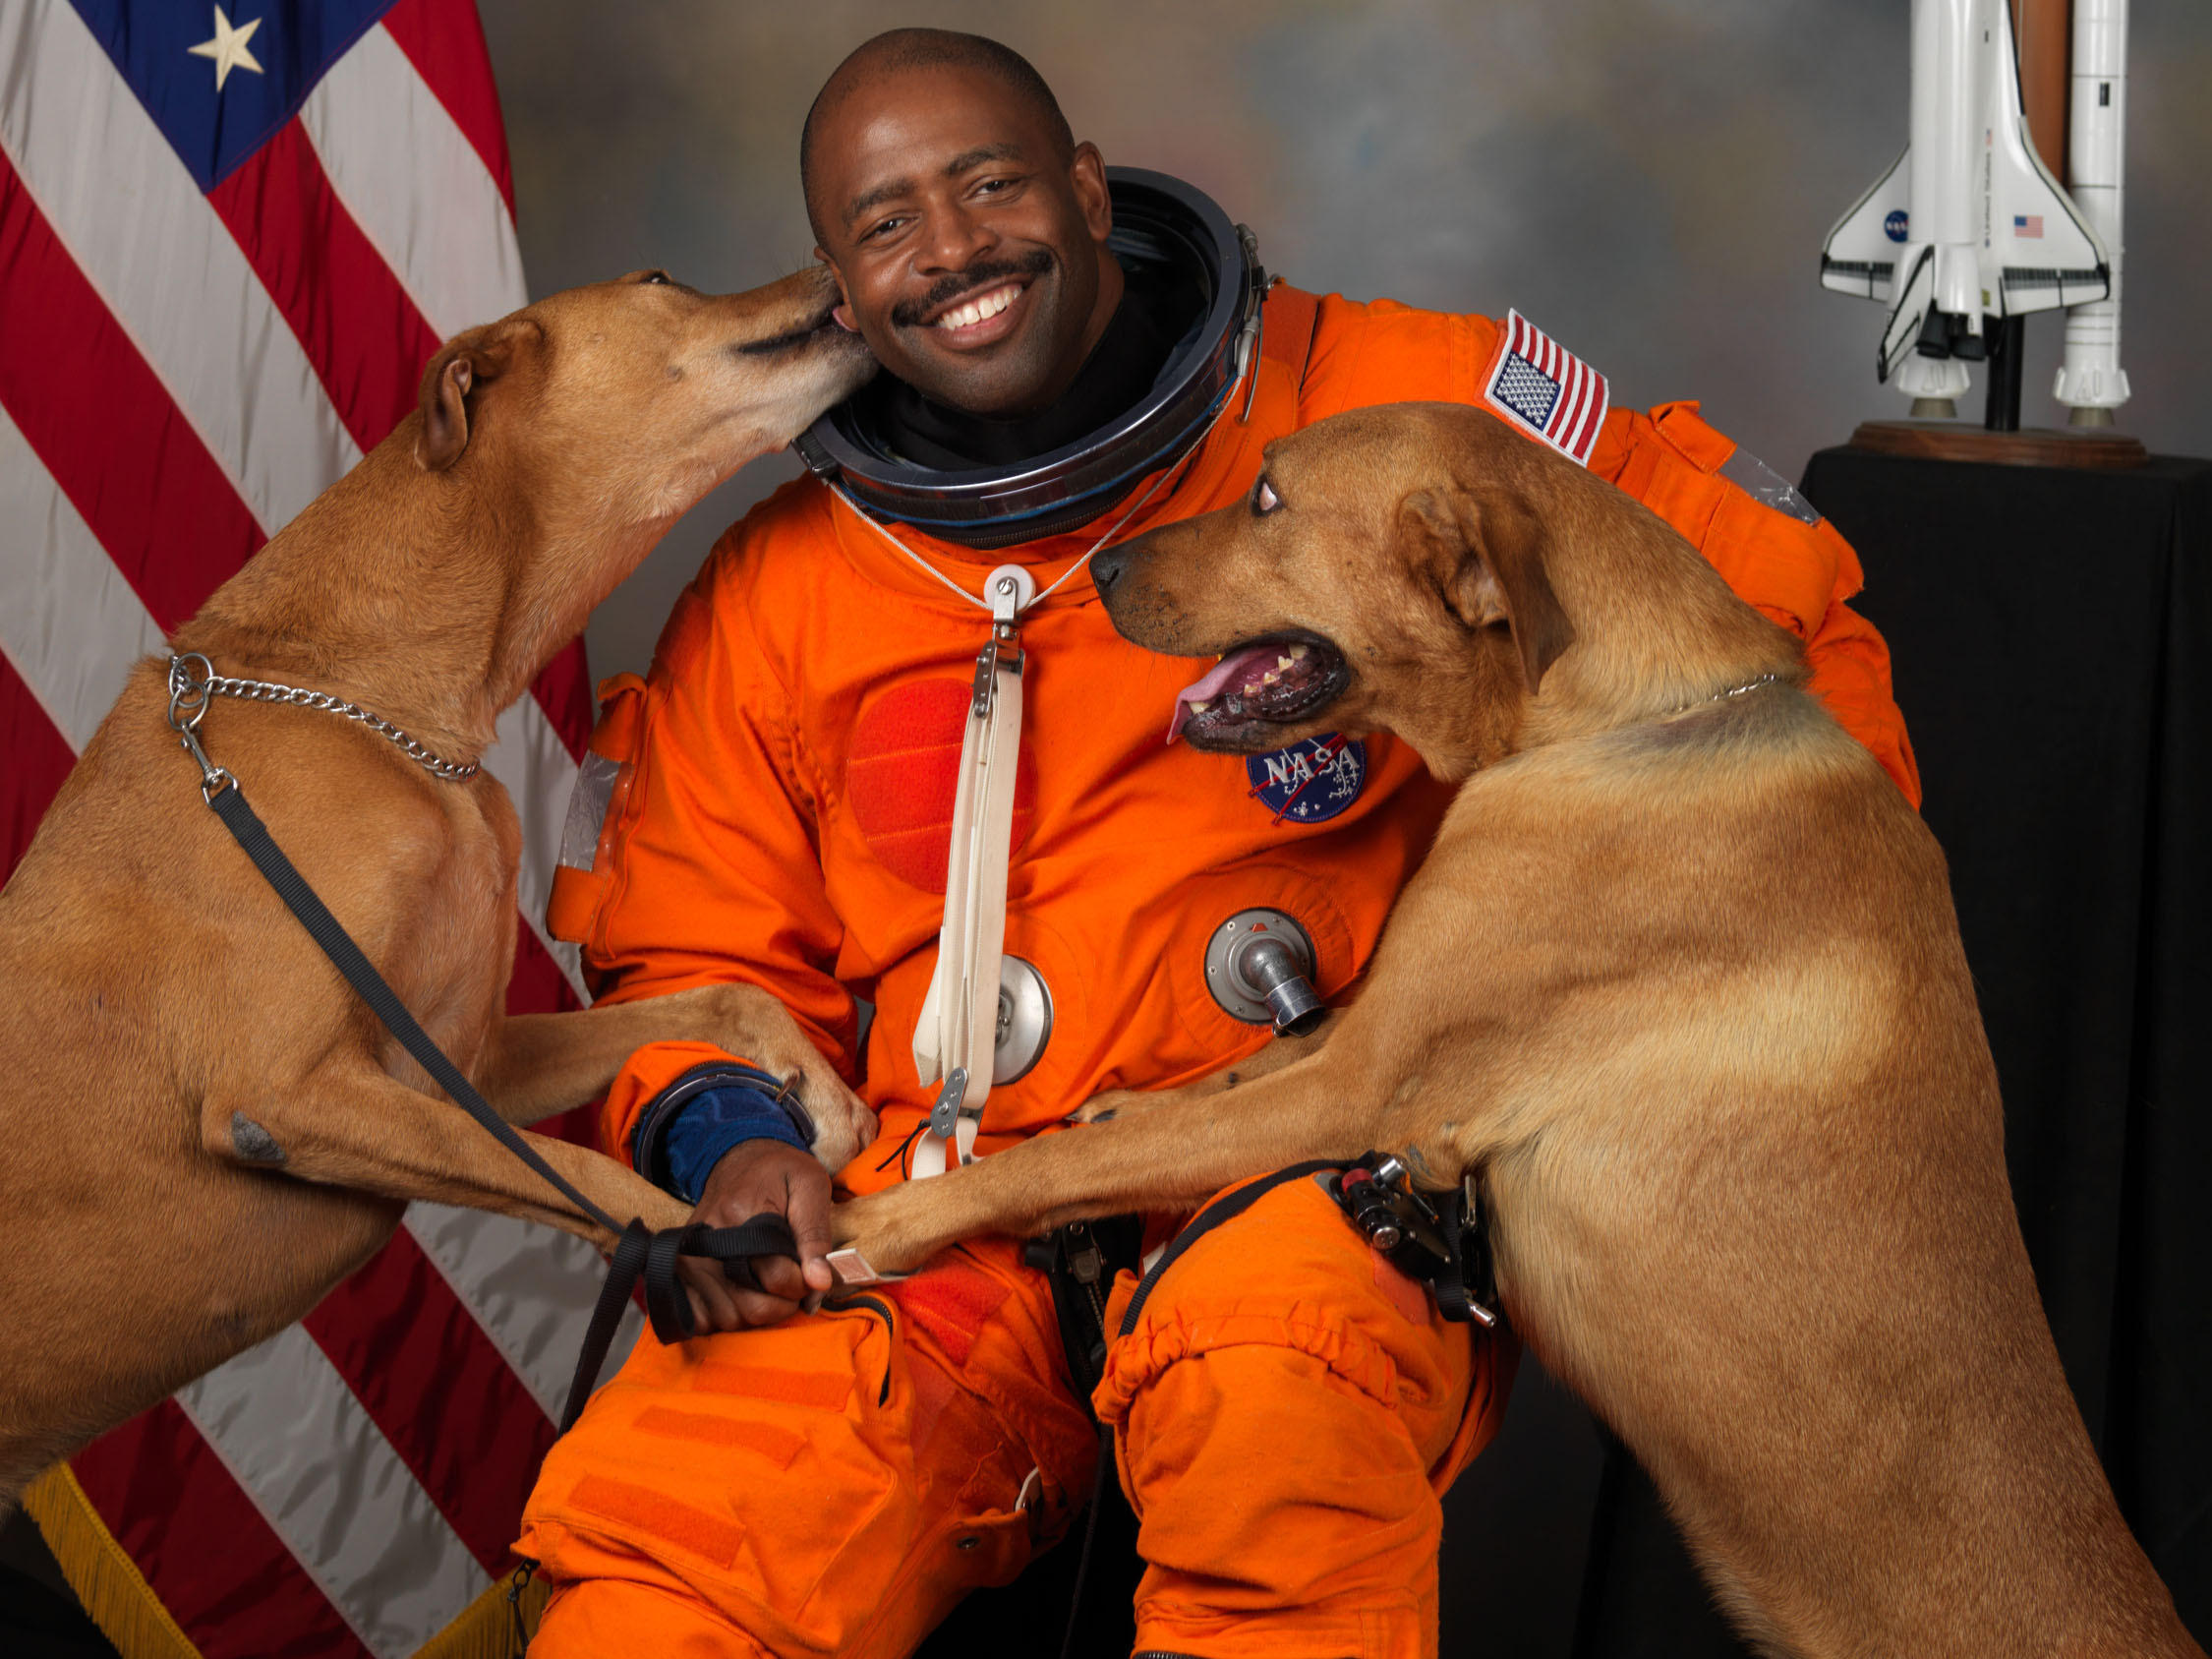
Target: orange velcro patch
902, 771
949, 1305
777, 1446
823, 1391
713, 1537
1409, 1298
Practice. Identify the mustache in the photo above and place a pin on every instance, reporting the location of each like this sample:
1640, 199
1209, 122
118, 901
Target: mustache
913, 314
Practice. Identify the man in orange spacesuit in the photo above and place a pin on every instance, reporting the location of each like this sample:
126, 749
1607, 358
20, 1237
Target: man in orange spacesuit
1069, 359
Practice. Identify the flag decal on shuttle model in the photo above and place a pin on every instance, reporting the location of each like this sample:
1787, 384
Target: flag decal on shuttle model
230, 237
1542, 387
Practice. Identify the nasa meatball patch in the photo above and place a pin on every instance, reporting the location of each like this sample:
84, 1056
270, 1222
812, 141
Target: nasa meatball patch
1311, 780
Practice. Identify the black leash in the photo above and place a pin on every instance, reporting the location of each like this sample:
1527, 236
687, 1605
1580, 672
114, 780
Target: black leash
637, 1250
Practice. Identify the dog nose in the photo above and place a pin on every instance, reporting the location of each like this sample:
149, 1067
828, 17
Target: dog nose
1106, 570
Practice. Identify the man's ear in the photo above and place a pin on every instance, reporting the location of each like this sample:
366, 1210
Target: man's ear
1487, 559
842, 312
463, 364
1088, 173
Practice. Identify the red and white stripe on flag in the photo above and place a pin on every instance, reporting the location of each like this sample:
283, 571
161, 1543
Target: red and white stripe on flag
1545, 389
195, 342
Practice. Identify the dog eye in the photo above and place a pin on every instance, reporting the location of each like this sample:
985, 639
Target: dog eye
1263, 499
660, 276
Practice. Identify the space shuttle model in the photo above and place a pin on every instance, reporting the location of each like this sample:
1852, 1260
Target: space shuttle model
1968, 227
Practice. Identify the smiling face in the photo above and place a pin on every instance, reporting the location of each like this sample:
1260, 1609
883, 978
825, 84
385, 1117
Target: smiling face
969, 245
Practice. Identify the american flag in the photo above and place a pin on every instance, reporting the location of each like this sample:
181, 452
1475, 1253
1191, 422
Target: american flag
1546, 390
231, 235
2027, 224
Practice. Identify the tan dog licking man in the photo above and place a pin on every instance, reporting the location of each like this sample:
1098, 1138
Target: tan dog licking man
203, 1121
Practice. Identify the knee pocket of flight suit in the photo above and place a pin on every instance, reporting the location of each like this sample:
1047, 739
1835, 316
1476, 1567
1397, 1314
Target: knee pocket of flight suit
1288, 1277
821, 1485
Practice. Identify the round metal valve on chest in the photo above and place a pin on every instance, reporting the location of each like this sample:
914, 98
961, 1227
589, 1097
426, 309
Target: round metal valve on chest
1025, 1021
1260, 967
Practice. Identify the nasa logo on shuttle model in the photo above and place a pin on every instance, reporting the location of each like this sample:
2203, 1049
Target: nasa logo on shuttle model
1312, 781
1897, 224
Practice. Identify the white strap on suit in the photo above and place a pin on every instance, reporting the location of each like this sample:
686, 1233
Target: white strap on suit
956, 1034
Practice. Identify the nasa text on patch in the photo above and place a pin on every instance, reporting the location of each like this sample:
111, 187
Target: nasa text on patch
1312, 781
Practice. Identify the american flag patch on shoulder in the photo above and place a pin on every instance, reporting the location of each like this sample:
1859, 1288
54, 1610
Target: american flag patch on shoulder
1546, 390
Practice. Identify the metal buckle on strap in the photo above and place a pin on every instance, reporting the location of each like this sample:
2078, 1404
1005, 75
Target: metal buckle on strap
986, 685
1008, 591
945, 1115
1440, 1242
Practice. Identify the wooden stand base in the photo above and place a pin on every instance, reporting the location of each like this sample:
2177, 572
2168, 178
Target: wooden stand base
1956, 440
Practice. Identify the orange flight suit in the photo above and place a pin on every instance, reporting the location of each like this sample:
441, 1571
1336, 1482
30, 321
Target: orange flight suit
1288, 1407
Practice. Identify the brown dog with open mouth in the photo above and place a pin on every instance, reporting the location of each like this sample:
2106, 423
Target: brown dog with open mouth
1681, 983
206, 1128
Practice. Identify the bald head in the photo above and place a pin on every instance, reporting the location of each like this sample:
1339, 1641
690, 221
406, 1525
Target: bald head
966, 230
902, 51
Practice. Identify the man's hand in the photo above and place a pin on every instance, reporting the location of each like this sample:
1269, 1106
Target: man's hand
752, 1177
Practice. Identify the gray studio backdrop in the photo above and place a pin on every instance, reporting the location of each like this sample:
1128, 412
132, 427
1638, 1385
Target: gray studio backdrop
1648, 180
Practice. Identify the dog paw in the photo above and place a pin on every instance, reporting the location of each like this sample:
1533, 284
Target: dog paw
842, 1122
746, 1021
888, 1229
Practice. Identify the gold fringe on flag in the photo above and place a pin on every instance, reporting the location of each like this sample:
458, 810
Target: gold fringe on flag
119, 1600
486, 1628
100, 1570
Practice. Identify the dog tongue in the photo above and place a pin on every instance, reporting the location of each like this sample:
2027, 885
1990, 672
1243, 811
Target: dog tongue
1203, 690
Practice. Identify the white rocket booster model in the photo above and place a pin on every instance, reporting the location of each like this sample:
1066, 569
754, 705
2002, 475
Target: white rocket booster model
1968, 223
2091, 378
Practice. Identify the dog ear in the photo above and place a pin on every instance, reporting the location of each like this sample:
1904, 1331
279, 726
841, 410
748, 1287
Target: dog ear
463, 364
1486, 557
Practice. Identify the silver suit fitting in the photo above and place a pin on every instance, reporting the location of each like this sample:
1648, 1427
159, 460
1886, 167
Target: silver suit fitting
1260, 967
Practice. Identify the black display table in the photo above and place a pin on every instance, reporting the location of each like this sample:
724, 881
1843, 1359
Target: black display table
2050, 638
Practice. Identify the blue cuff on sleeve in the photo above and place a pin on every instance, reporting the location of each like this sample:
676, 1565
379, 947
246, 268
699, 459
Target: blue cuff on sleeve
683, 1134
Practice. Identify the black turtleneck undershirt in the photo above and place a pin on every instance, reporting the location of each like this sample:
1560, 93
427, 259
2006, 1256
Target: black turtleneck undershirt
1152, 316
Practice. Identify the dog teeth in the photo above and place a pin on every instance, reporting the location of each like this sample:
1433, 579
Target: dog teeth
1297, 654
1285, 662
1197, 708
1269, 679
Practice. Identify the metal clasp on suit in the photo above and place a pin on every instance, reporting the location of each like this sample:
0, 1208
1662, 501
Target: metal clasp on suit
945, 1116
1008, 591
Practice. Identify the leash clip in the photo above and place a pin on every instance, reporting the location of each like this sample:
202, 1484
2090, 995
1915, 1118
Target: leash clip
188, 706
